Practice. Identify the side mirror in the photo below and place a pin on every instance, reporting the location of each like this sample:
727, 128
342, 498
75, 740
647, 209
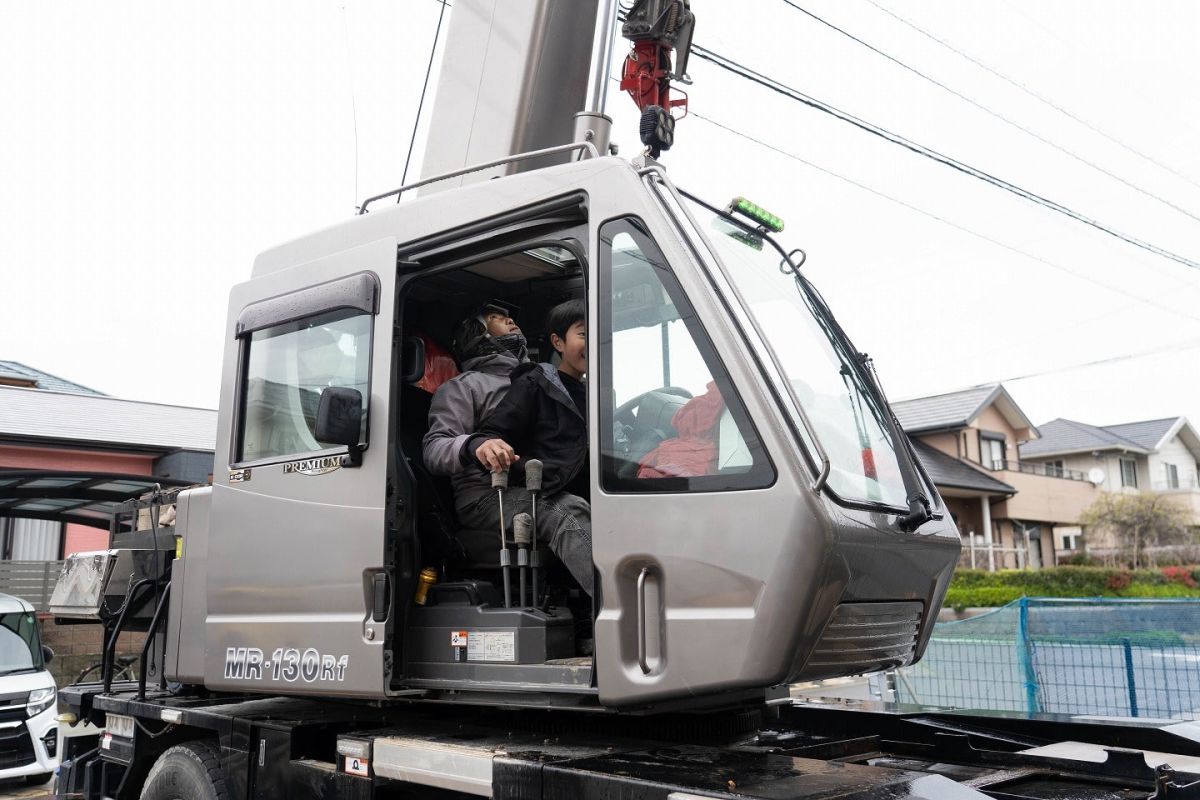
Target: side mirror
47, 654
339, 416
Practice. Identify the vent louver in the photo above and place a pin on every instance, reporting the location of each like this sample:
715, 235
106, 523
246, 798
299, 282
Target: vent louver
865, 637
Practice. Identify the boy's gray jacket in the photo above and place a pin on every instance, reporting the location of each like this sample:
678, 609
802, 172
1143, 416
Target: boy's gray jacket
458, 408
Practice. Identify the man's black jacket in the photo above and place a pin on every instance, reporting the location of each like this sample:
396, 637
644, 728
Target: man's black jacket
539, 420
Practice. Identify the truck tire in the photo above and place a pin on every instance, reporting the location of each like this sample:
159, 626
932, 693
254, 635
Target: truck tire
189, 771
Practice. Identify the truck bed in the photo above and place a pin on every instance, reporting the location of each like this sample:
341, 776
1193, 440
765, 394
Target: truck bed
293, 747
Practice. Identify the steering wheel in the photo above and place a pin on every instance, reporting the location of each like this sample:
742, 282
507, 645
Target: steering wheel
625, 413
638, 438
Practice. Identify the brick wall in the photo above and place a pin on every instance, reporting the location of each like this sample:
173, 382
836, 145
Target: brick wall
77, 647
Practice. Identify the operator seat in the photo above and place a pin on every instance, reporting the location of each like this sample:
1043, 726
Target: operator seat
434, 499
442, 538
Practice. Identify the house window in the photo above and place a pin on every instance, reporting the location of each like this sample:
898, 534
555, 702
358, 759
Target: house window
1055, 469
23, 539
1069, 538
992, 448
1128, 472
1172, 476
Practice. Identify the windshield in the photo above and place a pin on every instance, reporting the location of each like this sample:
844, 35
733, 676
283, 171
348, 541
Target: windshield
20, 647
827, 379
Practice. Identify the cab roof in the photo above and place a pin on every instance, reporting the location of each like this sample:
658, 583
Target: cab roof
419, 216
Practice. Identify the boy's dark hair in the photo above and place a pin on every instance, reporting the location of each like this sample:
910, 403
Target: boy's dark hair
564, 315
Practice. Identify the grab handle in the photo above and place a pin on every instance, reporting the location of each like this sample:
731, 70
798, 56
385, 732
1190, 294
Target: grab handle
643, 662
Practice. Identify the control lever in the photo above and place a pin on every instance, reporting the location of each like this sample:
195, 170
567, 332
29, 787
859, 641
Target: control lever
500, 483
522, 535
533, 485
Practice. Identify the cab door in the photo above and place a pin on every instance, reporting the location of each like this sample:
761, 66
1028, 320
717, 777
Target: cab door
683, 484
298, 525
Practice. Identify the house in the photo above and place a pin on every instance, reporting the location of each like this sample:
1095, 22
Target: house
1007, 509
66, 453
1158, 455
49, 423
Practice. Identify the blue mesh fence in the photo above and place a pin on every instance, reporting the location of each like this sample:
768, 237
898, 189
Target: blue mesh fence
1135, 658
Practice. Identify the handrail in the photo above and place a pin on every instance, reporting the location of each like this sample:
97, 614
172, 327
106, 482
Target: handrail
110, 646
150, 638
548, 151
1183, 484
1036, 468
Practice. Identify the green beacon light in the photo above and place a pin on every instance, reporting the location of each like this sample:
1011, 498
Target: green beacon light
741, 205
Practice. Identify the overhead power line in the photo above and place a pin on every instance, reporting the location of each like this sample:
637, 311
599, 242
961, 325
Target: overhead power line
1040, 98
778, 87
1006, 120
1149, 301
1188, 344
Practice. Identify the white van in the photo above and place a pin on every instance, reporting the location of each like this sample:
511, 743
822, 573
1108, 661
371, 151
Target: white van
28, 700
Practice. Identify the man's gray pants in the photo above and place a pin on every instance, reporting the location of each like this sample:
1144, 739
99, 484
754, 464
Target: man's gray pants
564, 524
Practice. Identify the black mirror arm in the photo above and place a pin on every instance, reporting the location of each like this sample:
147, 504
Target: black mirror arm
353, 457
918, 513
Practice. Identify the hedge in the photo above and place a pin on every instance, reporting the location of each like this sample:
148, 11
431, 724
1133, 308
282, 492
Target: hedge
975, 587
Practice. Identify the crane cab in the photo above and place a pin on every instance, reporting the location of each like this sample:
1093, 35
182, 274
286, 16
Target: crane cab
749, 488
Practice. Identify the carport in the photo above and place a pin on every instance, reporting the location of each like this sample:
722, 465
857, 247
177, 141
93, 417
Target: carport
83, 498
67, 497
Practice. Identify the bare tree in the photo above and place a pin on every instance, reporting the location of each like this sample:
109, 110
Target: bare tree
1138, 522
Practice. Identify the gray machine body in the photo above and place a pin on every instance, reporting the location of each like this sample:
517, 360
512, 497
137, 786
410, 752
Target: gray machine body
455, 640
701, 594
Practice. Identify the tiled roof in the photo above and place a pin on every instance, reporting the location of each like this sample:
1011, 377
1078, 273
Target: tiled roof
1069, 436
952, 410
43, 380
1147, 433
946, 471
98, 419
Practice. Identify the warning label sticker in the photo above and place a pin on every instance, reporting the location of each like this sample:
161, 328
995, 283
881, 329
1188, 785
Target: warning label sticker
492, 646
458, 638
358, 766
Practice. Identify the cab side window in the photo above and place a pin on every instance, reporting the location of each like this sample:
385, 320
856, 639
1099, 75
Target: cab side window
670, 420
286, 368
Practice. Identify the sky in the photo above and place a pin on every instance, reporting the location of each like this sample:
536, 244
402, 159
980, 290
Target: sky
149, 150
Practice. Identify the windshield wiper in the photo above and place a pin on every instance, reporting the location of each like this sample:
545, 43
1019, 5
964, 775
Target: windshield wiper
919, 506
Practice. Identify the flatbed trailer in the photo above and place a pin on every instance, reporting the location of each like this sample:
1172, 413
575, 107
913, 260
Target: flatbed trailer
797, 538
265, 747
